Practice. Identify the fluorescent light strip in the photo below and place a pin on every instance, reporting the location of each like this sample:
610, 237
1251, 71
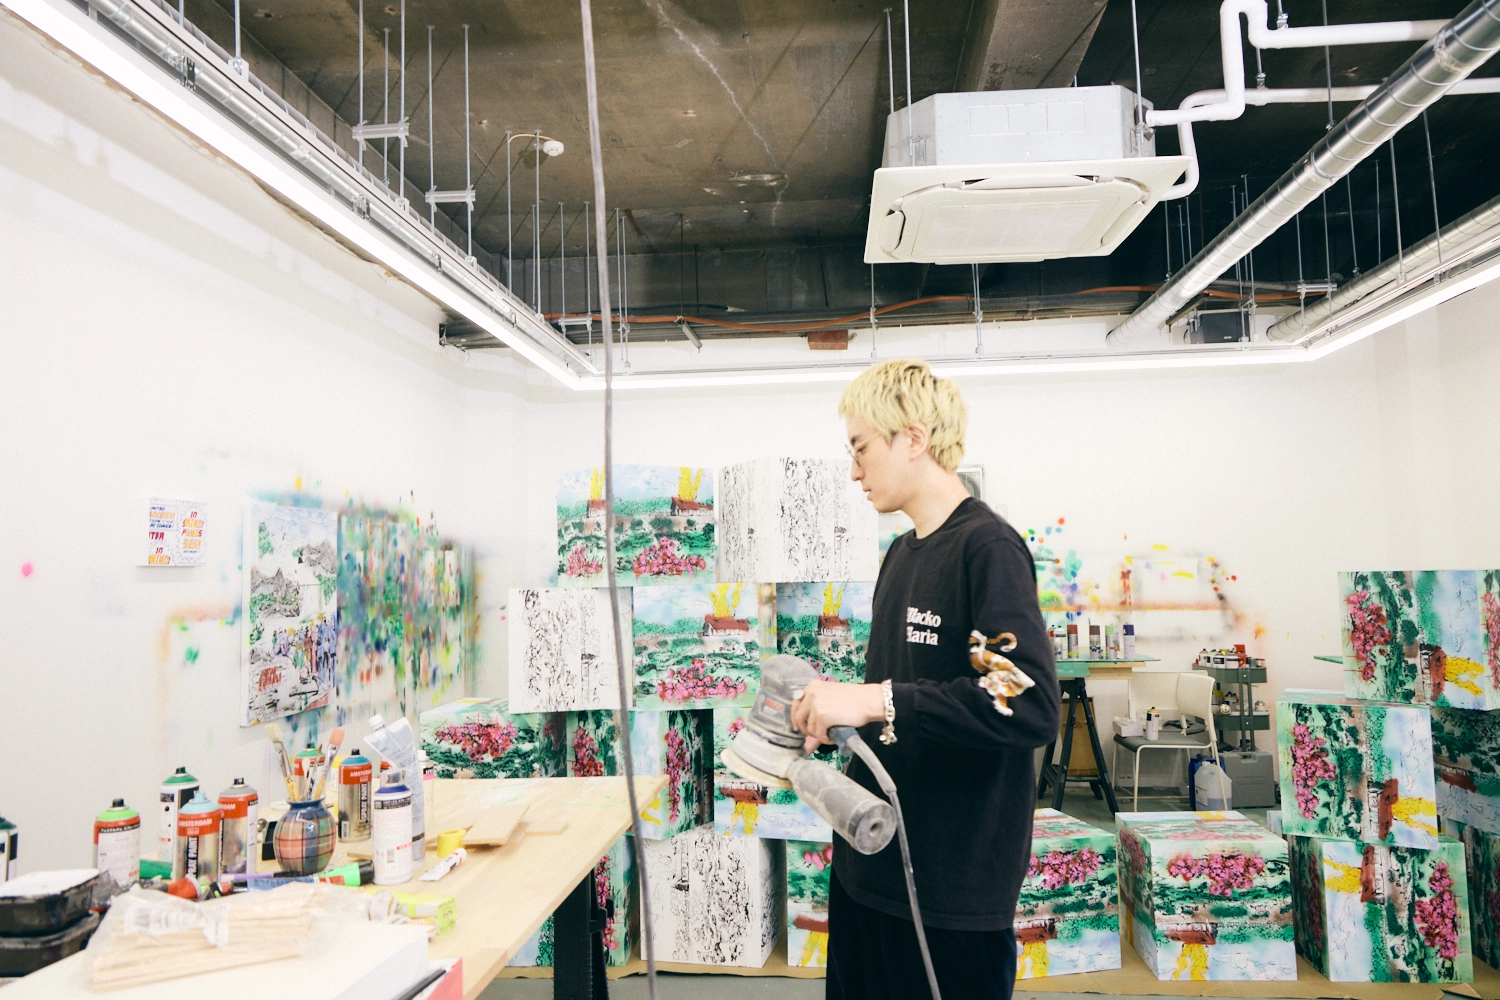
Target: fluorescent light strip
110, 56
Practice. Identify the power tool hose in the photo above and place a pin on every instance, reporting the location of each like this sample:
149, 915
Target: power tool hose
848, 739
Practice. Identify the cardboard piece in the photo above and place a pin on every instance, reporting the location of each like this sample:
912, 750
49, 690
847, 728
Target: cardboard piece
1068, 914
1207, 896
495, 826
1356, 770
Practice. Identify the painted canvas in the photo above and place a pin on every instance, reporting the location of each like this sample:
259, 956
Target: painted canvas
291, 601
1356, 770
1207, 896
715, 900
1068, 914
677, 744
1466, 759
746, 808
615, 892
696, 646
562, 650
826, 624
1367, 913
482, 738
664, 526
809, 867
794, 520
1482, 855
1425, 637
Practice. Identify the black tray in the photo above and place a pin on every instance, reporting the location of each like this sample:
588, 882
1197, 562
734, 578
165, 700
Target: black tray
21, 956
29, 916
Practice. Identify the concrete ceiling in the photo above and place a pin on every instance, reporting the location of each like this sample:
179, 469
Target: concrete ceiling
727, 125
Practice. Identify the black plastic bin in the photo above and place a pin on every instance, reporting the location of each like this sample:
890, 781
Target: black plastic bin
21, 956
47, 913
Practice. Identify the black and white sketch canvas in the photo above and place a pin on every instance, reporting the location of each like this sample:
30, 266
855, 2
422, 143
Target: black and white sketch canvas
794, 520
562, 651
715, 900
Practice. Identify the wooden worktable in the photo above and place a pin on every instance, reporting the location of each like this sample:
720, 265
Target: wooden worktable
504, 894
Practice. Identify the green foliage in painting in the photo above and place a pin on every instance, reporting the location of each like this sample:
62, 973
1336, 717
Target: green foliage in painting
479, 738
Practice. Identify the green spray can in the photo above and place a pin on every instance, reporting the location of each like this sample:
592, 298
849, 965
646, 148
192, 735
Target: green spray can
9, 837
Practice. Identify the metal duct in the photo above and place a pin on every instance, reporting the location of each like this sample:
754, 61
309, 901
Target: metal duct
1453, 53
1446, 243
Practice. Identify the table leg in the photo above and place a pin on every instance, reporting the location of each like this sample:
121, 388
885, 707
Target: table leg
1104, 778
1070, 688
1045, 771
578, 946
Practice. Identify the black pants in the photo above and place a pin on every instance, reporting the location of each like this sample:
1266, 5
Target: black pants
874, 956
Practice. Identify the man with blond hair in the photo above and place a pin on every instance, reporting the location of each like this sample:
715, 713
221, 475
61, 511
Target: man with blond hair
963, 766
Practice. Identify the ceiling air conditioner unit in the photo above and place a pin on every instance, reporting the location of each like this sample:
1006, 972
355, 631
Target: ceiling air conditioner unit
1014, 175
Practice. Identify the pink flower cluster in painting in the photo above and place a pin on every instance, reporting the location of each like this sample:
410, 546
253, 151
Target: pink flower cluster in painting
1310, 765
479, 740
1369, 630
1060, 868
1491, 605
601, 896
586, 761
579, 563
677, 765
1437, 916
694, 682
662, 559
818, 859
1225, 872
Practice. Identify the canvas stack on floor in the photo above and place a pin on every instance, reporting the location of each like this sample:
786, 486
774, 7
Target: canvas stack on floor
1068, 915
1369, 776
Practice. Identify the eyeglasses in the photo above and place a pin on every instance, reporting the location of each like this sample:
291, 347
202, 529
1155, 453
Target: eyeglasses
856, 450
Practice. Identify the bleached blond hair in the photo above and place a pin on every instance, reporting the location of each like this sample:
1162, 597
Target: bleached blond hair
895, 395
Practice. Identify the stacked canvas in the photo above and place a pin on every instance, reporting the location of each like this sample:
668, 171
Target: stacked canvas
1068, 916
482, 738
1207, 896
664, 526
1372, 913
615, 892
809, 867
676, 744
794, 520
1466, 756
1482, 851
715, 900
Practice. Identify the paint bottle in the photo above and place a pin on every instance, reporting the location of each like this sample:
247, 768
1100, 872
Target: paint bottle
198, 823
176, 792
240, 805
1129, 639
1073, 640
1096, 643
117, 843
354, 798
10, 837
390, 830
1111, 642
1153, 724
398, 744
1059, 642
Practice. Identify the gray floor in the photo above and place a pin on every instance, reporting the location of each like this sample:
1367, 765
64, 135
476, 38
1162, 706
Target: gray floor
1079, 803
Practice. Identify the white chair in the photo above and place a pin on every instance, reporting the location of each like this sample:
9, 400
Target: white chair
1190, 695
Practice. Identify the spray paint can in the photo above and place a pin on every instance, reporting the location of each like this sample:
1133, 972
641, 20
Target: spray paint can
354, 798
1073, 640
1096, 643
1111, 642
10, 837
240, 805
390, 829
117, 843
1129, 641
176, 792
198, 823
1059, 642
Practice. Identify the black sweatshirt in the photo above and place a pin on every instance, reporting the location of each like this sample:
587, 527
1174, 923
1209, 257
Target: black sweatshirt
964, 771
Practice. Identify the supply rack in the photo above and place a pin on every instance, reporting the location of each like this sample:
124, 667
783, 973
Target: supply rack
1232, 668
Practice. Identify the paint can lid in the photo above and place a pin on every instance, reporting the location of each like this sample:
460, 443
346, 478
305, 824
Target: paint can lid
117, 804
200, 804
238, 781
392, 777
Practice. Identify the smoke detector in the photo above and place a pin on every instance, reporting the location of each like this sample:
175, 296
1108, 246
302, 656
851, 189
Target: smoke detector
1017, 175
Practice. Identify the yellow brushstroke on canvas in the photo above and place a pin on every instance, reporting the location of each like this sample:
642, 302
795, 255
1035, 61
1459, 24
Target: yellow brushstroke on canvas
1408, 810
832, 601
1458, 671
596, 484
1034, 954
1193, 960
688, 483
725, 602
1347, 879
815, 949
749, 813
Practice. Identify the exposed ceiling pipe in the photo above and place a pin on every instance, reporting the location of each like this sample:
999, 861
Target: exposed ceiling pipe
1482, 224
1463, 45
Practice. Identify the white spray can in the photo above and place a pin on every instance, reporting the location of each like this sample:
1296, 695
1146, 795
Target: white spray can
176, 792
390, 830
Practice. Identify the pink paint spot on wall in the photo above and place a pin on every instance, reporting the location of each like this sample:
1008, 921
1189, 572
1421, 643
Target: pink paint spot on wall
27, 569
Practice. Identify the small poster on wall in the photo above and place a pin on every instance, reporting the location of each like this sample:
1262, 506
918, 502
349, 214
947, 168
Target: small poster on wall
174, 532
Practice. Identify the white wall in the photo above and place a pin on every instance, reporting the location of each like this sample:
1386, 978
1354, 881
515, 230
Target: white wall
167, 328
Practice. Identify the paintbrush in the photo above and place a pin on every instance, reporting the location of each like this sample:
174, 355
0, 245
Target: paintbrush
273, 732
335, 740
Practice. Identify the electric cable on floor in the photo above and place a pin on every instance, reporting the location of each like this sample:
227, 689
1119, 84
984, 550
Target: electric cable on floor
623, 717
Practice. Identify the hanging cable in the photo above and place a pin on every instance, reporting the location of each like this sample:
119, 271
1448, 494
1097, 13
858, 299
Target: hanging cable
1140, 115
1437, 225
1396, 204
978, 313
1328, 71
431, 154
890, 59
468, 150
401, 146
1379, 222
873, 328
1327, 246
1301, 284
622, 717
1353, 243
361, 143
911, 140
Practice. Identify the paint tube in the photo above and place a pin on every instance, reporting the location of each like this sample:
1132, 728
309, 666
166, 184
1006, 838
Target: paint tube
397, 744
176, 792
10, 838
117, 843
241, 806
390, 830
355, 772
353, 874
445, 866
197, 839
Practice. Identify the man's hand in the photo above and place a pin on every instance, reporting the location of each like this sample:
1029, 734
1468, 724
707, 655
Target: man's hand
829, 703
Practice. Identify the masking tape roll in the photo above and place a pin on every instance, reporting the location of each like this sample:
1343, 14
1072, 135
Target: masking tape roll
449, 841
